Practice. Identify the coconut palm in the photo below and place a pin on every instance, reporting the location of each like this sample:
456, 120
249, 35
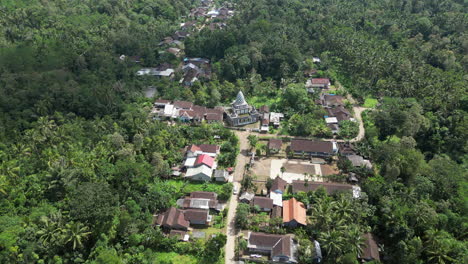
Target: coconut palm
75, 233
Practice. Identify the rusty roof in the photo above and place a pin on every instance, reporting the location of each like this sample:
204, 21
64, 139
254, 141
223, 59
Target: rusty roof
311, 146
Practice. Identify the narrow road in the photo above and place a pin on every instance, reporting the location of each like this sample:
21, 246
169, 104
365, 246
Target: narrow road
231, 231
357, 114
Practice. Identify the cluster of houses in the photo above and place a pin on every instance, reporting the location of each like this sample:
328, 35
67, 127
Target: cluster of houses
185, 112
293, 212
200, 164
192, 211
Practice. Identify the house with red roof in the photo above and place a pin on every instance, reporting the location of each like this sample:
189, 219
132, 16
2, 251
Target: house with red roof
317, 83
294, 213
205, 159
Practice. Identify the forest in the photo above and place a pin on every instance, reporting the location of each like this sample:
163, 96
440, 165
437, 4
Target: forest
82, 169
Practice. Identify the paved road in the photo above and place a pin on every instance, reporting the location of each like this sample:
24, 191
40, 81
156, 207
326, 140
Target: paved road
231, 231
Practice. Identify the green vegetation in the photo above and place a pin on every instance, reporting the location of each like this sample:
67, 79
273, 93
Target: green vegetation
370, 102
82, 169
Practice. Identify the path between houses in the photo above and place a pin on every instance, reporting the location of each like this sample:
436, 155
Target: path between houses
231, 231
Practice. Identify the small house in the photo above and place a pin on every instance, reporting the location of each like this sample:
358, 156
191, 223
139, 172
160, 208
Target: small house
200, 173
246, 197
221, 175
330, 101
280, 248
197, 216
370, 252
173, 218
265, 204
274, 145
279, 185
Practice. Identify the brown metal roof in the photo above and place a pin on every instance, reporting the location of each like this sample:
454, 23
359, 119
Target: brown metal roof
279, 184
280, 244
263, 202
183, 104
209, 148
330, 187
204, 195
371, 249
196, 215
277, 211
173, 218
275, 143
311, 146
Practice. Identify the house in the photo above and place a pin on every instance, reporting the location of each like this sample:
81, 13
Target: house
207, 149
221, 175
183, 105
277, 199
175, 51
359, 161
313, 148
246, 197
180, 35
265, 204
197, 216
331, 120
188, 25
274, 145
264, 109
316, 60
241, 113
340, 113
335, 129
318, 83
172, 219
198, 203
330, 187
200, 173
180, 235
205, 159
330, 100
163, 70
134, 59
265, 125
294, 213
277, 212
275, 119
280, 248
279, 185
346, 149
370, 251
204, 195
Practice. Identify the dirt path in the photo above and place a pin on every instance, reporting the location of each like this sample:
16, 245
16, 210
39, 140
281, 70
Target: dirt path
231, 231
358, 115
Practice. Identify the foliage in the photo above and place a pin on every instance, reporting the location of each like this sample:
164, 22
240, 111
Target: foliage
348, 129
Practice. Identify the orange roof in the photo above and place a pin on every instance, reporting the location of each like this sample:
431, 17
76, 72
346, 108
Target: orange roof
294, 210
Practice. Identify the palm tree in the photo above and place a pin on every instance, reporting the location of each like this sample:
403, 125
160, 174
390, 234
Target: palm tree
49, 232
333, 243
438, 247
75, 233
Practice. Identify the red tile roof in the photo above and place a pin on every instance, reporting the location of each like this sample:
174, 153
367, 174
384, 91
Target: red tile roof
294, 210
194, 148
320, 81
204, 159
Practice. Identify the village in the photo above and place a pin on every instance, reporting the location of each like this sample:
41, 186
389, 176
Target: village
271, 170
